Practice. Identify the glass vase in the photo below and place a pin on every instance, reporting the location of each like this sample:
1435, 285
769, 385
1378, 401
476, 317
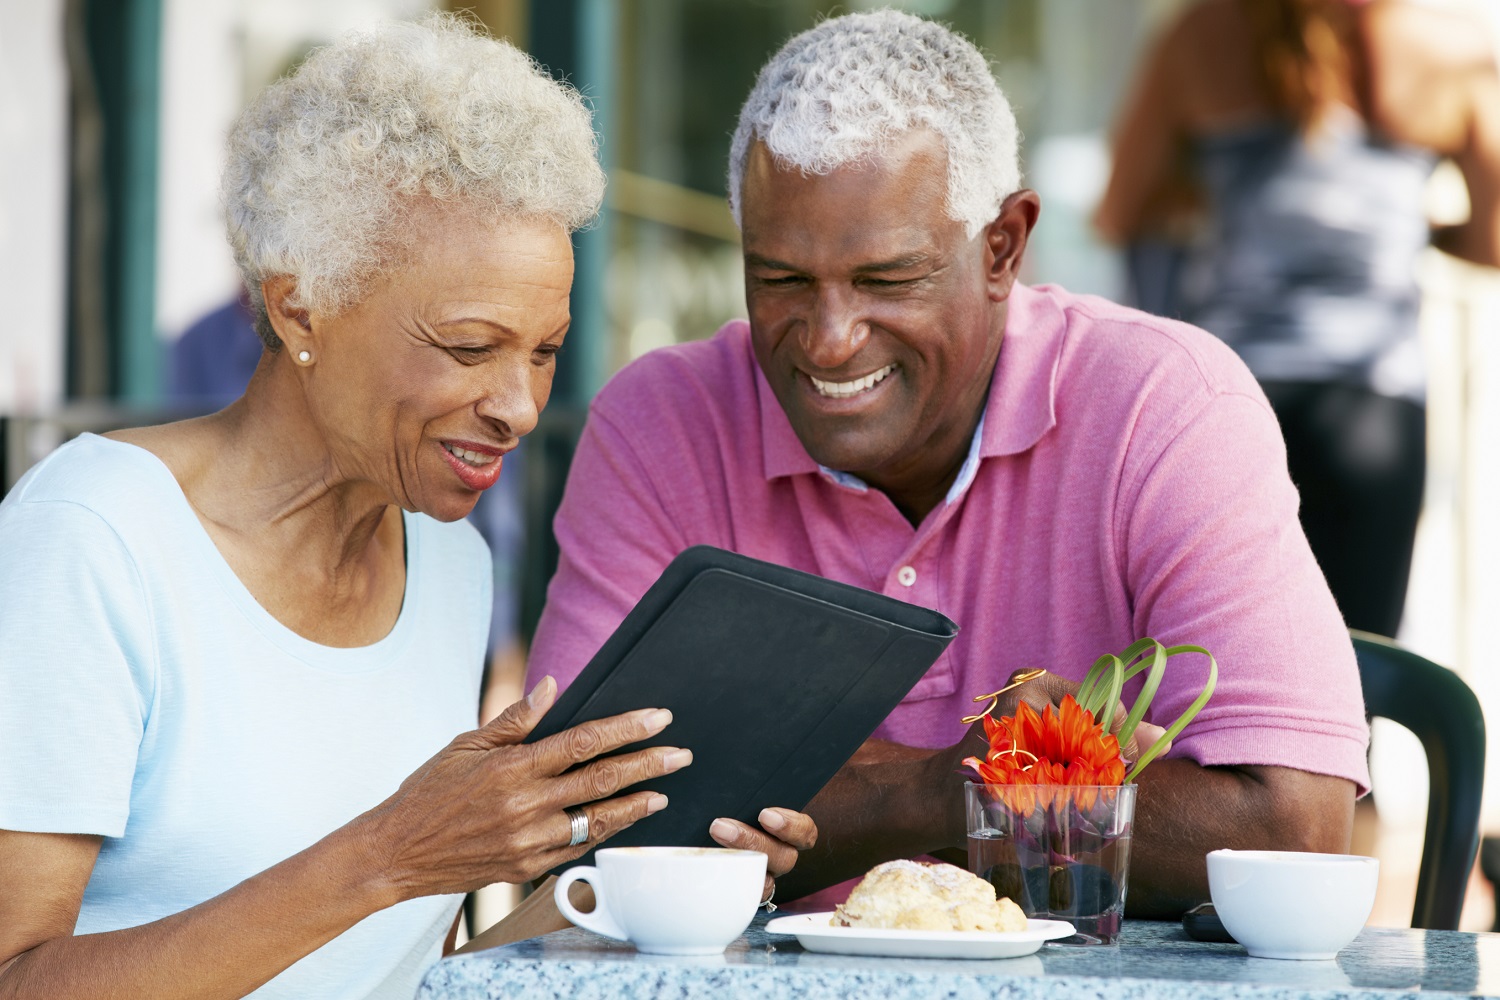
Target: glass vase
1061, 852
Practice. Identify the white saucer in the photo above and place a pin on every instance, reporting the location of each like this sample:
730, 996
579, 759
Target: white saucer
814, 933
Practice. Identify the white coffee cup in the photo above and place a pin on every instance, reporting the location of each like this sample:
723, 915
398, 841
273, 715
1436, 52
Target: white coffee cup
1290, 904
668, 900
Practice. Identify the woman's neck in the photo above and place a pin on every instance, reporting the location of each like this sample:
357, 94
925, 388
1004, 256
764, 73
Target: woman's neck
263, 465
320, 549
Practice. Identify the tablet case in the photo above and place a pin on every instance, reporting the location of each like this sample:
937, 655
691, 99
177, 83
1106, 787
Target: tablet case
774, 678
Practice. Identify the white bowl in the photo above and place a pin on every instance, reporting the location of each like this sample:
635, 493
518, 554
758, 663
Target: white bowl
1286, 904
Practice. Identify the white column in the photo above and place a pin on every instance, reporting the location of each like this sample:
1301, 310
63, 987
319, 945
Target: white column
33, 205
202, 89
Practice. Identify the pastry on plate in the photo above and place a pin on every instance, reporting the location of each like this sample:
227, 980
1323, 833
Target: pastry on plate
911, 895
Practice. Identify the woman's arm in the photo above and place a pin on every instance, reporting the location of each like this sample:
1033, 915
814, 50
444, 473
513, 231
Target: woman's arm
1434, 83
224, 947
1146, 146
1478, 239
486, 809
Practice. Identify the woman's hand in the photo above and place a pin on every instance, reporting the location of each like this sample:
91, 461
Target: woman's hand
787, 833
490, 809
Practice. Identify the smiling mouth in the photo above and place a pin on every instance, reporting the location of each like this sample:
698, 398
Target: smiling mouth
476, 459
843, 390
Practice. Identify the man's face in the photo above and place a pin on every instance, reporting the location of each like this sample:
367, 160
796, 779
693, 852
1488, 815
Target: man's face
872, 315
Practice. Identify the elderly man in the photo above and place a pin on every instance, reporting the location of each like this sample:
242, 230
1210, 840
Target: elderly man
1059, 475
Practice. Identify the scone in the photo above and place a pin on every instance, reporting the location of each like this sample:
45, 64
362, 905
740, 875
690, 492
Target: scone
910, 895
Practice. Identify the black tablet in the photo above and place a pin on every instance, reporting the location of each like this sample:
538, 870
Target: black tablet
774, 678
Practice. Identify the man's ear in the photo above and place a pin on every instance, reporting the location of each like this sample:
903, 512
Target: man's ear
1005, 241
292, 322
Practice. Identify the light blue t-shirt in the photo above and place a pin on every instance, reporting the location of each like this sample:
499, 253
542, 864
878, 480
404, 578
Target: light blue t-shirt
145, 696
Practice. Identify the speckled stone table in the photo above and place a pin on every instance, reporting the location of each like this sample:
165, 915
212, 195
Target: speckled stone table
1153, 961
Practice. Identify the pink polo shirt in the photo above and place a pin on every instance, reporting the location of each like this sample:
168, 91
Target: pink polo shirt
1128, 480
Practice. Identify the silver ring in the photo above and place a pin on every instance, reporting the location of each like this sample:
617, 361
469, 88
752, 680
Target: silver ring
766, 903
578, 823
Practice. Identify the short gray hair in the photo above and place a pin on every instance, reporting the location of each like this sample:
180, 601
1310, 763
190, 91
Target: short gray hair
841, 91
325, 166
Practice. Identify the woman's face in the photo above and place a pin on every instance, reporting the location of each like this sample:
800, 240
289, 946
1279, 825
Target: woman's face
423, 385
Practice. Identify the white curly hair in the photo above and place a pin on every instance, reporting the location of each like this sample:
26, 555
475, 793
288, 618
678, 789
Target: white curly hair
325, 166
840, 92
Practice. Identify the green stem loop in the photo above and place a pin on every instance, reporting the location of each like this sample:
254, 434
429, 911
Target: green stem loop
1100, 693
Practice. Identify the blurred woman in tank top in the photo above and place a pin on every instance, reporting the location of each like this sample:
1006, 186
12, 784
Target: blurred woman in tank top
1285, 146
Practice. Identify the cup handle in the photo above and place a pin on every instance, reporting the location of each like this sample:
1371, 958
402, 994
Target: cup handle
599, 921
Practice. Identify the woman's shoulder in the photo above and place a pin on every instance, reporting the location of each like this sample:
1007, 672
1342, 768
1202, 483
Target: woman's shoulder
1426, 62
1210, 75
87, 519
115, 480
1444, 36
94, 503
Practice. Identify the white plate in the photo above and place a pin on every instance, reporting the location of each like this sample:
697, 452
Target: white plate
815, 934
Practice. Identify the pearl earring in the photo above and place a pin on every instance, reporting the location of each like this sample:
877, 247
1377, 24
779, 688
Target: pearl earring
304, 356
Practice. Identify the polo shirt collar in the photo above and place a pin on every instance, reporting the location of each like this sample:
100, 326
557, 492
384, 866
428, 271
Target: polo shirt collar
1020, 408
1022, 405
782, 449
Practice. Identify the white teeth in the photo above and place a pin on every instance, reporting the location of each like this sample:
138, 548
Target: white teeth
471, 457
843, 390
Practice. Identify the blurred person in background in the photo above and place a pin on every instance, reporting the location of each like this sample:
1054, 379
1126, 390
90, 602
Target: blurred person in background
276, 611
1294, 139
211, 362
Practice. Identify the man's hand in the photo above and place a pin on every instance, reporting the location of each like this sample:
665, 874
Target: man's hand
786, 835
895, 801
907, 801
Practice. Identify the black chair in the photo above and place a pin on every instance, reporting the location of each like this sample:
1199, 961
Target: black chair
1436, 705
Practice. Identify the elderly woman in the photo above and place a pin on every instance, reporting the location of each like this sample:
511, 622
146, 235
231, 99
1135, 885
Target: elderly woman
225, 642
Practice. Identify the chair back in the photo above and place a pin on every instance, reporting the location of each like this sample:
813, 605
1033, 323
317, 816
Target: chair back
1440, 709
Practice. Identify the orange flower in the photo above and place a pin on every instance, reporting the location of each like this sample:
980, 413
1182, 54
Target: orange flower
1063, 748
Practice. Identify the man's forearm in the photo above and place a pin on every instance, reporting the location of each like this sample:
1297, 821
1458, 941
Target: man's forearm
899, 802
881, 805
1183, 811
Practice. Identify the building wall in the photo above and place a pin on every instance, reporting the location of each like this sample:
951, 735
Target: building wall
33, 205
202, 89
216, 55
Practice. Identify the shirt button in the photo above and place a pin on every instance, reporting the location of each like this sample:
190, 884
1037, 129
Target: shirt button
906, 576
